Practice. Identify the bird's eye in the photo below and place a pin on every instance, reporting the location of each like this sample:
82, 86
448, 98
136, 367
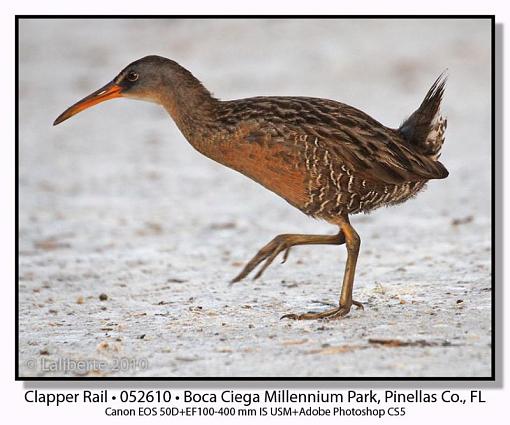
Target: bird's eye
132, 76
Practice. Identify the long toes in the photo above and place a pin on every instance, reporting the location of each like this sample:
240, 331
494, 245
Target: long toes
358, 304
339, 314
291, 316
239, 277
254, 262
333, 314
310, 316
268, 262
286, 254
245, 272
303, 316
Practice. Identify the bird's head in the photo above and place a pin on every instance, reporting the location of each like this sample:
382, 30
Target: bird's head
144, 79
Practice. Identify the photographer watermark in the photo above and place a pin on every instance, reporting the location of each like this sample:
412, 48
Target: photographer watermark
62, 364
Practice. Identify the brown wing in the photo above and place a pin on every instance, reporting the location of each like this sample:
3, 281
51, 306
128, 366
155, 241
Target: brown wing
351, 137
380, 154
373, 151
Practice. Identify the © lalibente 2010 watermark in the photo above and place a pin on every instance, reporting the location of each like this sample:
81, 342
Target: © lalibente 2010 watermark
62, 364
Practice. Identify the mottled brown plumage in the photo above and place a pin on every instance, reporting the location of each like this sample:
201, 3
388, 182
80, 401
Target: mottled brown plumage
326, 158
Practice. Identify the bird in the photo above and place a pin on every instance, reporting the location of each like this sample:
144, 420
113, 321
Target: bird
325, 158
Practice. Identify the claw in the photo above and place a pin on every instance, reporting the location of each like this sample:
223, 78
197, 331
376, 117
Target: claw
267, 253
358, 304
268, 262
286, 255
332, 314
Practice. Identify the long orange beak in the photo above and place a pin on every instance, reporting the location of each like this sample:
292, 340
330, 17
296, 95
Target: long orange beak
109, 91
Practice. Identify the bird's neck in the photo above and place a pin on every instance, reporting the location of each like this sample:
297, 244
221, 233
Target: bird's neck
193, 109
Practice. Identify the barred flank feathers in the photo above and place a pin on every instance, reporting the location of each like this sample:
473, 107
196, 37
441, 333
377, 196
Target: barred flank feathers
425, 128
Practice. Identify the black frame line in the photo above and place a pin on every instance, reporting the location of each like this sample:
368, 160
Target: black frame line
492, 378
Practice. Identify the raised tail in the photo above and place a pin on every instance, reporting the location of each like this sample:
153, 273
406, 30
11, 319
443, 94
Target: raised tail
425, 128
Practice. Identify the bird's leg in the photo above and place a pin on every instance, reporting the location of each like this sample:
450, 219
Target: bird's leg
284, 243
352, 242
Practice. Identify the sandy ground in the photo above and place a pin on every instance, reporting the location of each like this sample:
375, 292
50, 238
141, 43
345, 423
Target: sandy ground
115, 203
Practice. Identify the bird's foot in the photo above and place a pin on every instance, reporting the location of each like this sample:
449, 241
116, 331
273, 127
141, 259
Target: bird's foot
332, 314
268, 253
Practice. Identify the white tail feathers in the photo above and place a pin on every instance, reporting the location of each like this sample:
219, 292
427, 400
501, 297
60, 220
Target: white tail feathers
435, 138
425, 128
